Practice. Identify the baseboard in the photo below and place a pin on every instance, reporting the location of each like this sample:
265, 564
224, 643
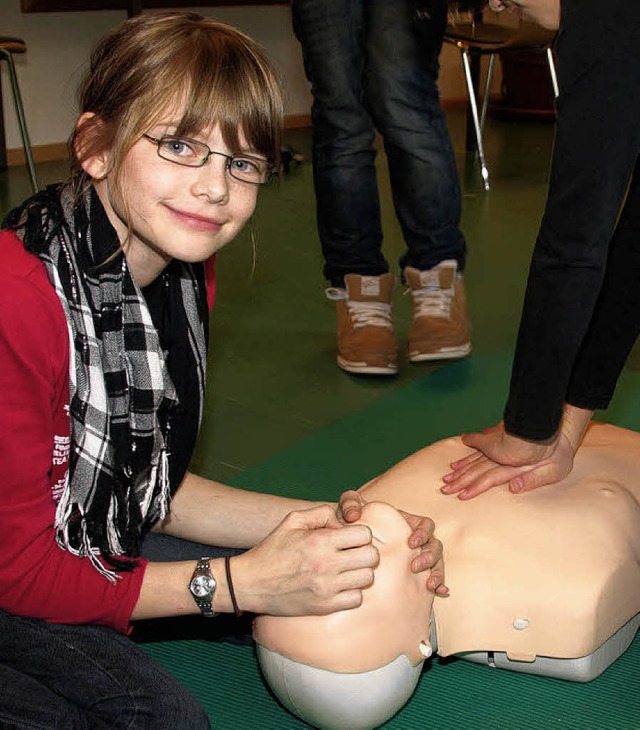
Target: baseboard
297, 121
41, 153
58, 150
454, 103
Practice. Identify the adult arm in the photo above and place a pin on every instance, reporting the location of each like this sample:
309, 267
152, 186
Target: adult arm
616, 322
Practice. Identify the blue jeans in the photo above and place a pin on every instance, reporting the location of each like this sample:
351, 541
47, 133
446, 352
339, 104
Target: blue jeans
374, 66
71, 677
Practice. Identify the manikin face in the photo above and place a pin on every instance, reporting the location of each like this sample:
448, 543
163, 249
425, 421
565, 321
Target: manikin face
544, 12
180, 212
354, 669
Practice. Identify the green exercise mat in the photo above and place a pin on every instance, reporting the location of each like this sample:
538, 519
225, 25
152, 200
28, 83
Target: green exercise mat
452, 694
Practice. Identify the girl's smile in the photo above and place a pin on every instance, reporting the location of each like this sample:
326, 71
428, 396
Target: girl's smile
199, 222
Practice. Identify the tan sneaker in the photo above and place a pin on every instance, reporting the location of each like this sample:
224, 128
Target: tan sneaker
366, 340
440, 326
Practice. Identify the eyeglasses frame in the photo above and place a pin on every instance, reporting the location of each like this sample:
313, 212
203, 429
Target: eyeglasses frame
271, 171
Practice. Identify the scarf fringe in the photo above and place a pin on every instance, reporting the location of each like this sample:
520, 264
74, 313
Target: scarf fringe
86, 549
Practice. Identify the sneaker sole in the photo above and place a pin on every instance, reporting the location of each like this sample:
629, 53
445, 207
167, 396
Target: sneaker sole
364, 369
449, 353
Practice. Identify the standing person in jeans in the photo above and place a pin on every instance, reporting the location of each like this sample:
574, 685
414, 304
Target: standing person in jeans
373, 65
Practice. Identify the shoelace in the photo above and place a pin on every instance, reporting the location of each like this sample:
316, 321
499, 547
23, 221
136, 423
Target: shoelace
432, 301
363, 314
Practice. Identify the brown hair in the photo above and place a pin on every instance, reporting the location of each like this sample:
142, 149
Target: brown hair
152, 63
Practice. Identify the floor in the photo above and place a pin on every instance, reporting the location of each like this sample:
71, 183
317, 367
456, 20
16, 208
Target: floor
272, 373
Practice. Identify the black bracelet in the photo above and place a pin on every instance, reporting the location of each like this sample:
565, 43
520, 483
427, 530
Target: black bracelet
227, 567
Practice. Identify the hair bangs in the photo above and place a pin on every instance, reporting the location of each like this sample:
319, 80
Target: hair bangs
230, 85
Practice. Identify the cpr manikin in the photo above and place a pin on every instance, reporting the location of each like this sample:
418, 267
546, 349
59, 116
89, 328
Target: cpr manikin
547, 582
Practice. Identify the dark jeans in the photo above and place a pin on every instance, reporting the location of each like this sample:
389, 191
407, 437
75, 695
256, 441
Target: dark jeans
63, 677
373, 65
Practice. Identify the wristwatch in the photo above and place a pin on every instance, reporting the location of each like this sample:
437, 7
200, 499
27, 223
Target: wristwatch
202, 586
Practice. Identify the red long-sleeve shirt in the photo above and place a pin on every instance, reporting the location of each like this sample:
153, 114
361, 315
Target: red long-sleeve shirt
37, 577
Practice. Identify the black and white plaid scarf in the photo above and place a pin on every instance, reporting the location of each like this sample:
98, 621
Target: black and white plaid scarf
121, 395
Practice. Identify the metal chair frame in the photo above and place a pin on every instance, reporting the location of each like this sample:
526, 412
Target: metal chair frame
484, 39
9, 46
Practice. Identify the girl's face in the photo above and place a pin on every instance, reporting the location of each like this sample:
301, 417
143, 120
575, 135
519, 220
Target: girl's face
544, 12
187, 213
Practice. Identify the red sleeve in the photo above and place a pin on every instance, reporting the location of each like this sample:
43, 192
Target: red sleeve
210, 275
37, 577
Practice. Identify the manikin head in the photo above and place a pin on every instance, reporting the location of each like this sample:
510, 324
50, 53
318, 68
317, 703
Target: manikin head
353, 670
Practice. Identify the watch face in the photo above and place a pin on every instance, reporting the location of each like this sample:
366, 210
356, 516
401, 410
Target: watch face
202, 585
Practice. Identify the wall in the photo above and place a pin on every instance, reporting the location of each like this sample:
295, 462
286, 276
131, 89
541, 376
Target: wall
58, 46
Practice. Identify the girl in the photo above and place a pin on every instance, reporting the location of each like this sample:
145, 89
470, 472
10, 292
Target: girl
103, 338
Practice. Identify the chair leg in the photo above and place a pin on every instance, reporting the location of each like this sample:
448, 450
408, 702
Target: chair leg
17, 100
487, 88
476, 121
552, 71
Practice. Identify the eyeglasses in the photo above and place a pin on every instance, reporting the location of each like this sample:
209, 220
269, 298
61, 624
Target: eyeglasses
191, 153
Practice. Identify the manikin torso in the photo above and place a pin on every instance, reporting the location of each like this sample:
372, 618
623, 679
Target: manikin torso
554, 572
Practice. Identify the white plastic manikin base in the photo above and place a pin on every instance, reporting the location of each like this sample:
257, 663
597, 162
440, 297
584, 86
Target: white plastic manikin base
583, 669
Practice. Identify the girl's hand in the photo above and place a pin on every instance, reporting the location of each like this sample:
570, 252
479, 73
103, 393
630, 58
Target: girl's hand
422, 529
310, 564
